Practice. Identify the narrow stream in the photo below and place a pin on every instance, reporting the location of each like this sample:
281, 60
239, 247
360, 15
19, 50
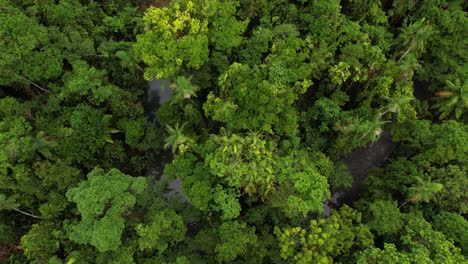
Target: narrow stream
359, 162
158, 93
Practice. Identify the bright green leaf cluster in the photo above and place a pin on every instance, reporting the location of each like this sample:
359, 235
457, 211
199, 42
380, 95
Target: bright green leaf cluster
102, 200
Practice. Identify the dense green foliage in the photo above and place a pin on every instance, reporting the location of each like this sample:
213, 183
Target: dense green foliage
269, 99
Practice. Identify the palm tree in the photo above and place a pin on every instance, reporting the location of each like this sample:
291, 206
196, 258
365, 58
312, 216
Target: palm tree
395, 104
453, 100
176, 137
415, 36
128, 60
183, 89
360, 129
409, 66
107, 135
423, 191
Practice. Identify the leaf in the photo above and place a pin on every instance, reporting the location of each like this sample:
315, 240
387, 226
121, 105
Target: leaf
8, 203
108, 139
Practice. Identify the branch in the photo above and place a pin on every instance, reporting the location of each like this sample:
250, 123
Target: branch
43, 89
28, 214
406, 53
384, 112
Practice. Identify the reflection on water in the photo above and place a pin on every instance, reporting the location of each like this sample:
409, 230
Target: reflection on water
158, 93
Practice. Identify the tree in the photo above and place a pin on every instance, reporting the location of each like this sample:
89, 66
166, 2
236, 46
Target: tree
165, 229
419, 236
429, 161
395, 104
84, 131
246, 101
24, 56
177, 37
48, 142
384, 217
415, 37
102, 201
424, 190
356, 131
228, 242
128, 60
417, 243
10, 204
41, 242
446, 59
324, 239
453, 101
451, 224
389, 254
176, 137
183, 89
